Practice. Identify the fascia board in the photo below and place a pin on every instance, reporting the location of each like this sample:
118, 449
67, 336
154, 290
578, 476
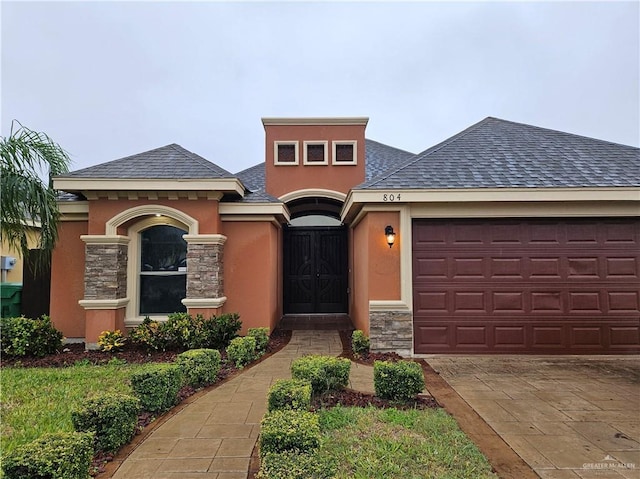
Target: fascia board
274, 209
140, 184
353, 120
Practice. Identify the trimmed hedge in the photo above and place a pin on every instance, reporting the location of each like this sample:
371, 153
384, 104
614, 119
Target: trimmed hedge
359, 343
262, 339
199, 367
242, 351
52, 456
29, 337
293, 465
289, 431
402, 380
112, 417
157, 386
325, 373
290, 394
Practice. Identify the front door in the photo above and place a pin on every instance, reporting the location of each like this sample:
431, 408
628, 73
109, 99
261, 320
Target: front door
315, 270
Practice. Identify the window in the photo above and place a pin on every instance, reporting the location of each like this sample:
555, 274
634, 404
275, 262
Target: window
163, 270
285, 152
315, 153
345, 153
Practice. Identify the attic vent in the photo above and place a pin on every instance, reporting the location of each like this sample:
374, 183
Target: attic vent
344, 153
286, 152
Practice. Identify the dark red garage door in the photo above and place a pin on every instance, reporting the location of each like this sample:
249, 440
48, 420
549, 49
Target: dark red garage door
526, 286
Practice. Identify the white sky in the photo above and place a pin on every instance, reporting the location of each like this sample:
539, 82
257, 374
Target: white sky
110, 79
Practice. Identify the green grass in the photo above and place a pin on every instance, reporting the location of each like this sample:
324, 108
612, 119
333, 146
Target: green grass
369, 443
34, 401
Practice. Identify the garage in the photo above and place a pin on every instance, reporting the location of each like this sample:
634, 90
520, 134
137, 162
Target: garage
526, 286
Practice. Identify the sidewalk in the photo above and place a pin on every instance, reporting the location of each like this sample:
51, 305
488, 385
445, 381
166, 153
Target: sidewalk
213, 437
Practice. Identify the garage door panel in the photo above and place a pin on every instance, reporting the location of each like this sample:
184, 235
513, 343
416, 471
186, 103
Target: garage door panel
554, 286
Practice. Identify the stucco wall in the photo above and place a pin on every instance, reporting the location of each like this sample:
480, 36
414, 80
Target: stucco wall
281, 179
15, 275
360, 277
205, 211
67, 279
251, 285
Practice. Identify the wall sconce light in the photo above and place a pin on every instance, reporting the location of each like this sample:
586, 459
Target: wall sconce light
391, 236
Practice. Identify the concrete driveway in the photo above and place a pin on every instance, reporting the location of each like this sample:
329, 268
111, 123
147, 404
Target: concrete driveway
567, 417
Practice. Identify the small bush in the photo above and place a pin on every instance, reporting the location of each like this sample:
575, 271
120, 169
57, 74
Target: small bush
111, 341
325, 373
242, 351
402, 380
112, 417
262, 339
290, 394
52, 456
147, 335
294, 465
199, 367
359, 343
289, 431
181, 332
224, 329
157, 386
29, 337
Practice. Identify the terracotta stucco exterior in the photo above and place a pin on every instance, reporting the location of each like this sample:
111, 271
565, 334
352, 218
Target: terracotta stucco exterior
282, 179
67, 279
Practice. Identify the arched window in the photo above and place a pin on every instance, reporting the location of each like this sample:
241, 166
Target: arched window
163, 270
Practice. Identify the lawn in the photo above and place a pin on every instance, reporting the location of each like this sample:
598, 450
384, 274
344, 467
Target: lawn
34, 401
369, 443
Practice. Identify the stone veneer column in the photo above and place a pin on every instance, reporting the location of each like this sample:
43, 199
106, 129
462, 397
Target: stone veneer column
391, 330
105, 284
205, 279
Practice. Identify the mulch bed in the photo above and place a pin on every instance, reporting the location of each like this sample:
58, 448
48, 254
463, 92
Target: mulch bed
351, 398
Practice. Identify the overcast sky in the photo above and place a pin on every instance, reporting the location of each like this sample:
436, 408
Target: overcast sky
111, 79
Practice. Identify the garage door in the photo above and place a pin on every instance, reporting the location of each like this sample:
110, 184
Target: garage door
526, 286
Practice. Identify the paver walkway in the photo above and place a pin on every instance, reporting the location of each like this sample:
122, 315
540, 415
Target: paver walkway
567, 417
213, 437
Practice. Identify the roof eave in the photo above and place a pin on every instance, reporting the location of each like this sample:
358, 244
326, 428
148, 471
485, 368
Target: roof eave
223, 185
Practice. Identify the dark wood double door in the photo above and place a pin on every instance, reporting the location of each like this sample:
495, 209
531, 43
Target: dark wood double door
315, 270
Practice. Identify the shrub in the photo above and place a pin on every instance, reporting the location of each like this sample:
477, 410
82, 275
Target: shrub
199, 367
181, 331
242, 351
262, 339
289, 431
294, 465
157, 386
147, 335
290, 394
359, 343
402, 380
325, 373
52, 456
112, 417
29, 337
111, 341
225, 328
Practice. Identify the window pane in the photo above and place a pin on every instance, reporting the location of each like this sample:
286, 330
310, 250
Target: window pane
162, 294
344, 153
315, 153
163, 249
287, 153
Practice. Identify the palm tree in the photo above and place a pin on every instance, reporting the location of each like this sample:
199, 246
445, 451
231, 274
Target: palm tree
25, 200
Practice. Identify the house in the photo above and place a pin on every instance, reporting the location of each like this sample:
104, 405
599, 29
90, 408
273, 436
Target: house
509, 238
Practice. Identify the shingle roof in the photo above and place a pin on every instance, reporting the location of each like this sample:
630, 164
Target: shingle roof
496, 153
170, 162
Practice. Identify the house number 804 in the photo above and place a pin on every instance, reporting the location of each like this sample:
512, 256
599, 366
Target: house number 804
391, 197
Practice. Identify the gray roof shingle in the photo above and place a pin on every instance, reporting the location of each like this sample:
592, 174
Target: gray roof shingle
167, 162
496, 153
